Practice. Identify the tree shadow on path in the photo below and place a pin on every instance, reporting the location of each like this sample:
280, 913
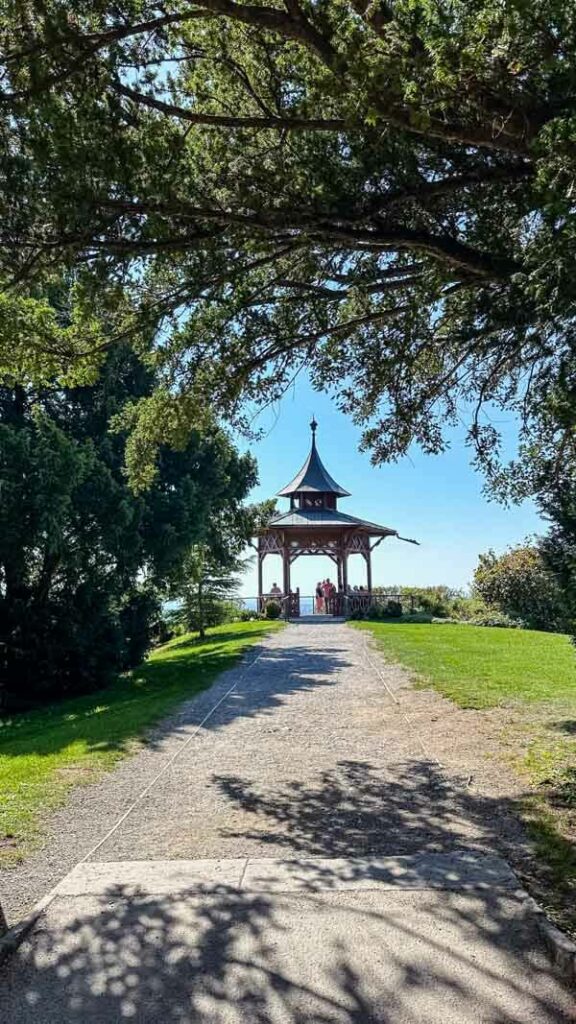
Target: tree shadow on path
217, 955
317, 952
358, 809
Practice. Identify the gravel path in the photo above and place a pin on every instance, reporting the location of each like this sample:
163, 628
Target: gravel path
304, 843
320, 749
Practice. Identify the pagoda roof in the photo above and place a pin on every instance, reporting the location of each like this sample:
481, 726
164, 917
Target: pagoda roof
313, 478
325, 518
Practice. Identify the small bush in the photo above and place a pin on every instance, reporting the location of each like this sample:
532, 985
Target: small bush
393, 610
439, 600
374, 612
245, 615
357, 615
493, 617
273, 609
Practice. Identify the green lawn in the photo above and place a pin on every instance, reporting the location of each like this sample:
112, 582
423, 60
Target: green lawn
533, 675
479, 666
44, 753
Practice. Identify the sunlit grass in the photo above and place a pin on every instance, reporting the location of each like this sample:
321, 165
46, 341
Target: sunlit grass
479, 666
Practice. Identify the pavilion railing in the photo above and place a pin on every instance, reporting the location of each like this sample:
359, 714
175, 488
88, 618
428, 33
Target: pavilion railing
339, 605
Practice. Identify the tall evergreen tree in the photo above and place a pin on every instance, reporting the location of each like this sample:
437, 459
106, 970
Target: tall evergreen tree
83, 559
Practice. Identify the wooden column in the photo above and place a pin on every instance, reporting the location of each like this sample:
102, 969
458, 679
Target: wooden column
369, 568
345, 570
286, 571
260, 581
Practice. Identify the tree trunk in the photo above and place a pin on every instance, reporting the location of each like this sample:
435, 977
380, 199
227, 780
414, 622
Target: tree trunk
201, 623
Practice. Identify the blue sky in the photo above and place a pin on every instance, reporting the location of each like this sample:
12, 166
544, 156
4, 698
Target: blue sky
436, 499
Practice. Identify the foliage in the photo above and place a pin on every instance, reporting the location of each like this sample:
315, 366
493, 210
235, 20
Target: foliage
393, 610
438, 600
390, 610
45, 752
273, 610
380, 192
245, 615
519, 584
485, 616
82, 558
558, 547
207, 586
495, 617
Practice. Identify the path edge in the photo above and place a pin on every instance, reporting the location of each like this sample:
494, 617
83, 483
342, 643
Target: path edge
560, 946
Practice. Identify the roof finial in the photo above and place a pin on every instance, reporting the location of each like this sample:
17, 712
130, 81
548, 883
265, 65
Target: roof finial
313, 425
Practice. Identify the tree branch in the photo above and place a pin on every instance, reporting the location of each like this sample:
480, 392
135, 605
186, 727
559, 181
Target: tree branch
227, 121
445, 186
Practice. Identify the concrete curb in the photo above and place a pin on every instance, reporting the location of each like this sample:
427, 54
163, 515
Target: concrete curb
560, 946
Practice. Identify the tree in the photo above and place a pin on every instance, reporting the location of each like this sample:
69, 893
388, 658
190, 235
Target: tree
206, 588
379, 191
558, 547
83, 559
520, 584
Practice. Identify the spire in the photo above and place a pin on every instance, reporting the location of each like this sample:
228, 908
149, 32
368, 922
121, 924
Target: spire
313, 478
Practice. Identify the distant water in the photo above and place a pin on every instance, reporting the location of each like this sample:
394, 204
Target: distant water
250, 604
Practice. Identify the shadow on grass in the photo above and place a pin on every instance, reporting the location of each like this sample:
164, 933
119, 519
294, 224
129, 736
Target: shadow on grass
108, 720
217, 954
195, 642
568, 726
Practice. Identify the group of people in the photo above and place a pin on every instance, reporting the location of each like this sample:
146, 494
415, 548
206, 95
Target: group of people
325, 589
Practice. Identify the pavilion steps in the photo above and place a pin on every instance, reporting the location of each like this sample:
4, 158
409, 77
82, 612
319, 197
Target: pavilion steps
316, 619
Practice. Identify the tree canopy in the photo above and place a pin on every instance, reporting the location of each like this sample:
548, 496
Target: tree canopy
382, 192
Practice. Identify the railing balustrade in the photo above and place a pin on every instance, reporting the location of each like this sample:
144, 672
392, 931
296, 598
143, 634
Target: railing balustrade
338, 605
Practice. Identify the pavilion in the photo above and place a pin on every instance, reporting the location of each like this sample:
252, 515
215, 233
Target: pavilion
314, 525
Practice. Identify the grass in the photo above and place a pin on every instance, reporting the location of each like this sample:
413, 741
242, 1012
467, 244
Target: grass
533, 675
46, 752
480, 666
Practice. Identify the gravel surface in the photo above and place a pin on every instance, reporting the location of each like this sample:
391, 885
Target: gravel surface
314, 745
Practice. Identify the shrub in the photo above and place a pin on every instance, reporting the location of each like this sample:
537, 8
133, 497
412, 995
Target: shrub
439, 600
357, 615
393, 610
273, 609
374, 611
519, 584
494, 617
245, 615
